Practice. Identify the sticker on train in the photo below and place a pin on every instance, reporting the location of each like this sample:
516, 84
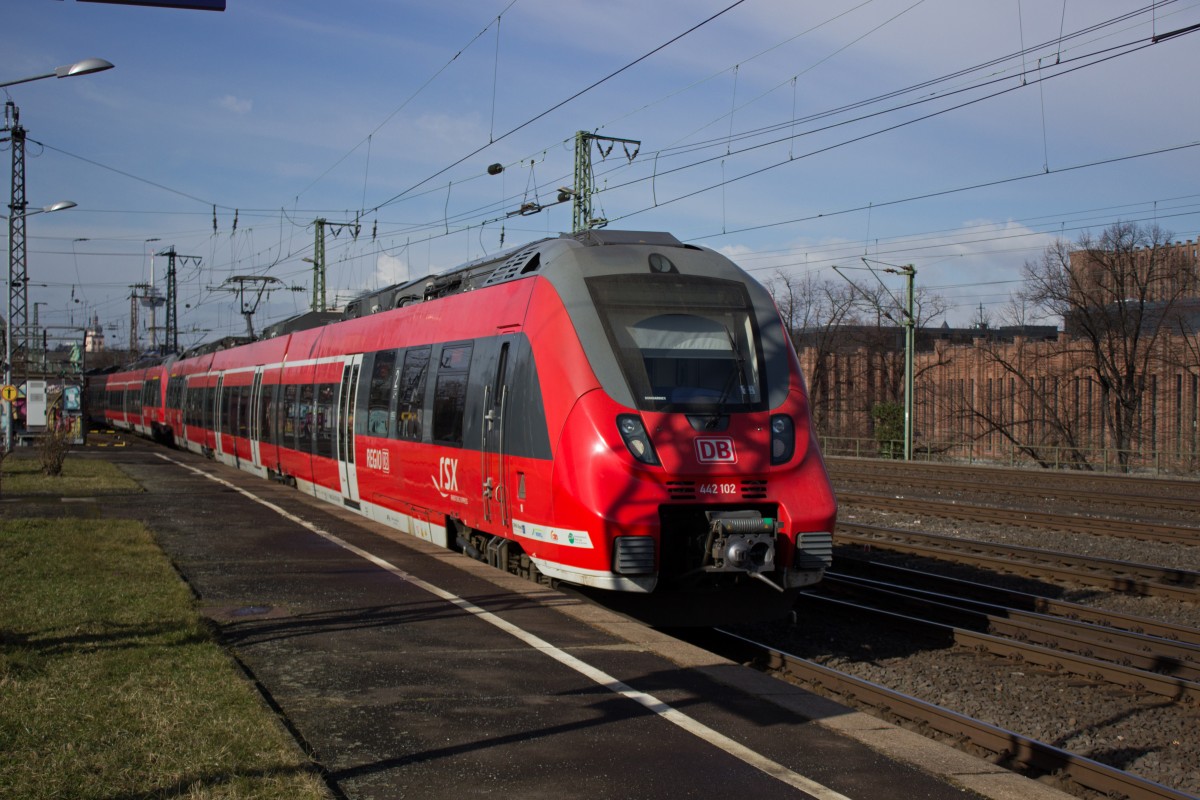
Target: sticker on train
561, 536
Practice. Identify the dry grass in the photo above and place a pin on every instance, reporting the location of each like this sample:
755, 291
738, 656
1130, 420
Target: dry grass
112, 686
81, 477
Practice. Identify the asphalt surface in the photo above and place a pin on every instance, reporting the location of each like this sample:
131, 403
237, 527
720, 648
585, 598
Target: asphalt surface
411, 672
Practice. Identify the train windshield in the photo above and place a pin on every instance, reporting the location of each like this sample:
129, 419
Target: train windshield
685, 344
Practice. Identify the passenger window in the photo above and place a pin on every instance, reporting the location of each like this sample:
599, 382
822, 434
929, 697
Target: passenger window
410, 394
325, 419
306, 419
380, 394
450, 394
291, 416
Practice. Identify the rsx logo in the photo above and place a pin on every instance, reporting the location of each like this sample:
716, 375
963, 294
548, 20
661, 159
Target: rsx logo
446, 481
715, 450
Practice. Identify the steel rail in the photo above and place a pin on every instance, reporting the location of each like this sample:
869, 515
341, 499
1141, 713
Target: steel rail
1142, 531
1118, 576
917, 580
1013, 750
1134, 650
1058, 661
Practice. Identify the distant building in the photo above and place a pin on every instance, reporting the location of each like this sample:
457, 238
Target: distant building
93, 336
1000, 399
1029, 392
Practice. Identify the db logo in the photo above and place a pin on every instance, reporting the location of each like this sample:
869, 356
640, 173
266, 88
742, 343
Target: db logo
716, 450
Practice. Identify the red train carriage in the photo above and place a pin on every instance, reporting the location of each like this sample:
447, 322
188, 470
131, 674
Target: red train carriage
133, 398
616, 409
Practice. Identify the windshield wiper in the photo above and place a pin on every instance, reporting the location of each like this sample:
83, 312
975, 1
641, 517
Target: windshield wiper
736, 375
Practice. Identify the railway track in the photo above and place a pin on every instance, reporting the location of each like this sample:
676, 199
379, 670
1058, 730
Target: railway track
1119, 688
1110, 574
1069, 523
1134, 661
1021, 753
1013, 601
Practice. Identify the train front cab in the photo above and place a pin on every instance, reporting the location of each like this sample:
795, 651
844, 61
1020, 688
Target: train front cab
695, 467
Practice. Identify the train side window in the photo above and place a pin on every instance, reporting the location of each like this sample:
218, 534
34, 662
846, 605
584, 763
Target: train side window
189, 405
150, 392
267, 413
228, 406
411, 393
325, 419
501, 369
290, 411
379, 397
243, 411
196, 395
450, 394
307, 419
210, 407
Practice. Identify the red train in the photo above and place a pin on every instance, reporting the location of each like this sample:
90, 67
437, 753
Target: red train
614, 409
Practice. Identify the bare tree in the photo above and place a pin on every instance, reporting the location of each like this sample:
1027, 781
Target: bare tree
1023, 404
814, 312
1019, 311
852, 341
1117, 295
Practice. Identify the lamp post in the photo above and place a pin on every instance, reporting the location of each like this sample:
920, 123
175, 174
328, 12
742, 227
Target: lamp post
16, 276
85, 67
17, 279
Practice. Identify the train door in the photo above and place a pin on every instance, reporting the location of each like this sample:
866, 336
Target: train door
346, 402
495, 402
255, 428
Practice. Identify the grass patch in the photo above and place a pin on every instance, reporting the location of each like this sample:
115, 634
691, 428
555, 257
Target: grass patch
112, 686
81, 477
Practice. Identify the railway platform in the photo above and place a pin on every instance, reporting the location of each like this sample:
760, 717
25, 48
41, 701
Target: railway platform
411, 672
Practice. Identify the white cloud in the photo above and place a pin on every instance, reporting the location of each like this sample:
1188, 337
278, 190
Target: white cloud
390, 269
236, 104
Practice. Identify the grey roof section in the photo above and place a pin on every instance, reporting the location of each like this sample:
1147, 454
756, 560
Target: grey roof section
300, 322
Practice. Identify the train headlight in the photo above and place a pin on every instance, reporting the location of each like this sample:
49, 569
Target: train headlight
783, 439
633, 432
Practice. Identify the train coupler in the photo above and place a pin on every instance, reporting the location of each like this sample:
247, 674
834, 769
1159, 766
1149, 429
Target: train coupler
741, 541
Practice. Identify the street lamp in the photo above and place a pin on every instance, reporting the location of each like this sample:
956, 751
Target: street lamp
9, 389
16, 223
85, 67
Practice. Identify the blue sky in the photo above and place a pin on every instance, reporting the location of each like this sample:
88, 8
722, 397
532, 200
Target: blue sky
762, 134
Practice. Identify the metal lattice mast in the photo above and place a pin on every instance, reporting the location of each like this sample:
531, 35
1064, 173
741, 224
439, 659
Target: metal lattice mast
171, 340
18, 283
581, 201
318, 259
581, 197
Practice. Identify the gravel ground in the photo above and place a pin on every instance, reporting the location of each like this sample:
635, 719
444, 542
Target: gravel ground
1147, 735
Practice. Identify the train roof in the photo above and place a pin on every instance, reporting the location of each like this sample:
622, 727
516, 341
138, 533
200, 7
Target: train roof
510, 264
300, 322
500, 268
223, 343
